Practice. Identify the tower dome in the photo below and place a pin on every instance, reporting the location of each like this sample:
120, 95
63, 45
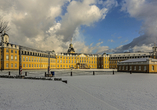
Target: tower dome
71, 49
5, 38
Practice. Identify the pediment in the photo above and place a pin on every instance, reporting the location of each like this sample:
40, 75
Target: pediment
82, 55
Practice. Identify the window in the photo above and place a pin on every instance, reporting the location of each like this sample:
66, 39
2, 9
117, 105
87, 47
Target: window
139, 67
37, 65
119, 67
26, 65
15, 57
15, 51
134, 67
57, 61
11, 64
145, 68
11, 51
29, 58
60, 61
23, 65
37, 60
7, 57
11, 57
153, 68
15, 65
7, 65
26, 58
126, 67
7, 50
32, 65
29, 65
130, 67
23, 58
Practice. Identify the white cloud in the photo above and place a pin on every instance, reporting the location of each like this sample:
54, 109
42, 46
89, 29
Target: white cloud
146, 11
126, 41
54, 11
110, 40
33, 23
91, 44
99, 43
144, 48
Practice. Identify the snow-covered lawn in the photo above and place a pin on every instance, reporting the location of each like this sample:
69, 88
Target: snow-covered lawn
100, 92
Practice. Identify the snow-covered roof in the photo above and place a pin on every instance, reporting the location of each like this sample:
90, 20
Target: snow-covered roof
138, 60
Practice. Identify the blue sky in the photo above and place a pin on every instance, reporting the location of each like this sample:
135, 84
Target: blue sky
117, 26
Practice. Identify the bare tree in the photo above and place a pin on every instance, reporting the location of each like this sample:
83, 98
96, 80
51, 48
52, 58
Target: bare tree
3, 25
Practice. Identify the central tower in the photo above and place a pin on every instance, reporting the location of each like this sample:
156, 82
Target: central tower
71, 48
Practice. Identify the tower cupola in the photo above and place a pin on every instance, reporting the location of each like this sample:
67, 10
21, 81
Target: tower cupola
71, 48
5, 38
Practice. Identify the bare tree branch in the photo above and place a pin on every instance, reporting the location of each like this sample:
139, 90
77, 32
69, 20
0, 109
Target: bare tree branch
3, 25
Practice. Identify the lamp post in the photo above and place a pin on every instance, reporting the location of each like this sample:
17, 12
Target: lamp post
20, 65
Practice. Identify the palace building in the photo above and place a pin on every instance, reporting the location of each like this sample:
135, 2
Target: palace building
80, 60
12, 56
147, 65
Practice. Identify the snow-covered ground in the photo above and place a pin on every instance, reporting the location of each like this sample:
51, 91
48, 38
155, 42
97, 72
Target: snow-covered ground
87, 92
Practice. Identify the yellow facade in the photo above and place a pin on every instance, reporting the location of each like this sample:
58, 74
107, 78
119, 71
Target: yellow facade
106, 62
10, 58
153, 68
34, 62
75, 61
